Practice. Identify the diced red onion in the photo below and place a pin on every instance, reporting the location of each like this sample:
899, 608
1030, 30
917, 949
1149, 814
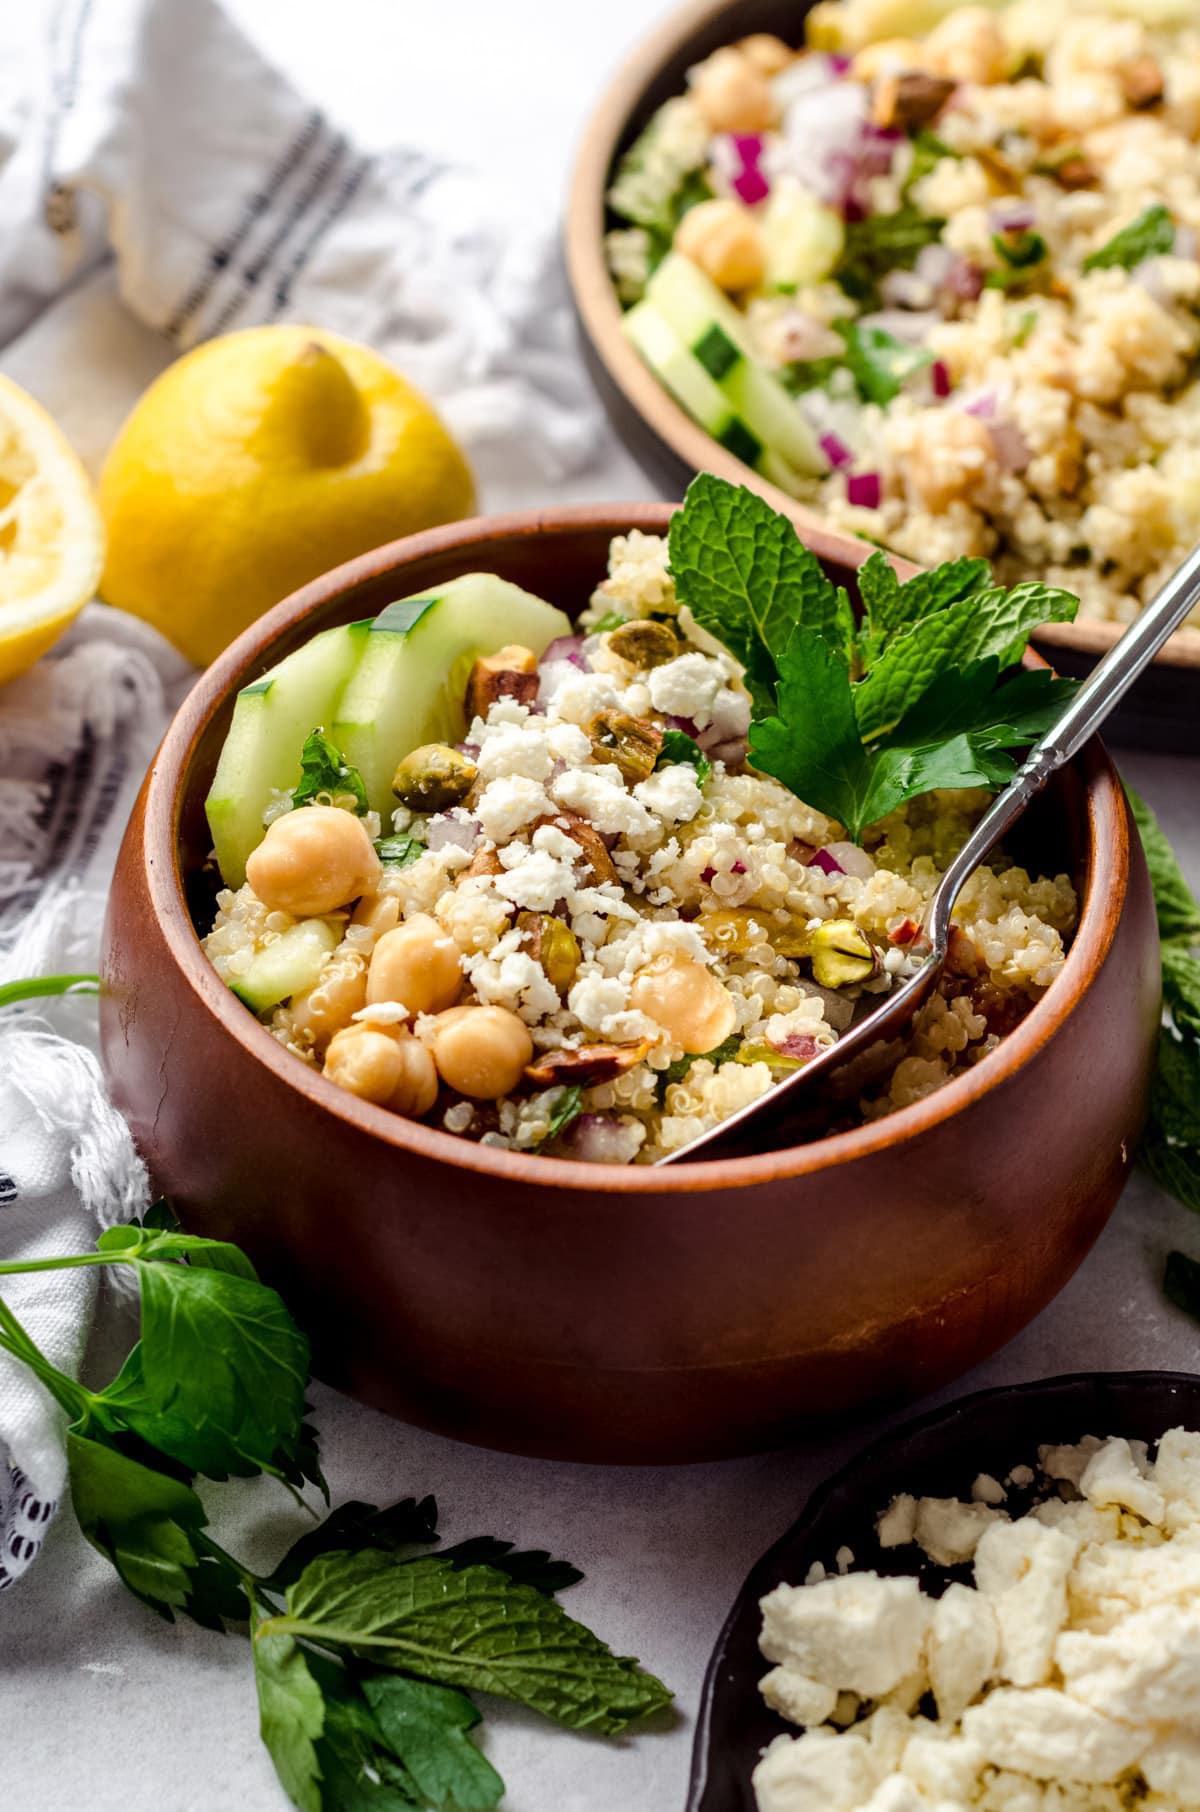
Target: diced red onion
730, 715
687, 724
1012, 215
934, 263
1010, 445
801, 338
600, 1139
905, 289
965, 281
939, 377
838, 62
824, 136
981, 403
739, 868
732, 753
908, 326
468, 748
864, 490
801, 1045
827, 862
749, 183
835, 450
567, 648
1185, 243
851, 859
444, 832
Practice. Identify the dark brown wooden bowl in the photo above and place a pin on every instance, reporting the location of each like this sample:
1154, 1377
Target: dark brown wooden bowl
671, 447
621, 1314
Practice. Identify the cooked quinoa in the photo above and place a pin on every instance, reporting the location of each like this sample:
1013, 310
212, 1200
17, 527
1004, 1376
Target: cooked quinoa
616, 881
1040, 400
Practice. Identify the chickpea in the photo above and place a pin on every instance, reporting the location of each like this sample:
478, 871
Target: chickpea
694, 1009
726, 241
968, 45
417, 1088
765, 52
333, 1000
417, 965
365, 1062
731, 93
952, 457
379, 912
312, 861
481, 1051
887, 56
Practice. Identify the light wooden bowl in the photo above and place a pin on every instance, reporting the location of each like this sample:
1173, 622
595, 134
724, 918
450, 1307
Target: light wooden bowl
672, 447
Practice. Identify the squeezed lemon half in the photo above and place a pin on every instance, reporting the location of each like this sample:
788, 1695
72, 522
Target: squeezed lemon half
51, 533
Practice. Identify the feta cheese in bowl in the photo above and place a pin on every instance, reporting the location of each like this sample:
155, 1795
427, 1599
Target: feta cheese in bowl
1022, 1635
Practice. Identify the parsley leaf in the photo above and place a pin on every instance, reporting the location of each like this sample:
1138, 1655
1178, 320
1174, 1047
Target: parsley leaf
426, 1728
326, 778
291, 1717
881, 243
472, 1627
677, 1070
398, 851
567, 1107
678, 746
1151, 235
928, 150
743, 572
878, 362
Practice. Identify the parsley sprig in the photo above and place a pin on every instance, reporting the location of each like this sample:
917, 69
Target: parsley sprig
856, 717
365, 1645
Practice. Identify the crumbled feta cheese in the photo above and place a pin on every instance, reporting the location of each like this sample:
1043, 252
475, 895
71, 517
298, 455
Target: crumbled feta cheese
511, 802
987, 1490
860, 1633
516, 981
567, 742
962, 1648
898, 1524
515, 749
1022, 1568
599, 795
556, 842
949, 1531
595, 998
1146, 1670
1112, 1477
673, 793
535, 881
815, 1773
795, 1697
579, 696
1177, 1475
1045, 1733
687, 687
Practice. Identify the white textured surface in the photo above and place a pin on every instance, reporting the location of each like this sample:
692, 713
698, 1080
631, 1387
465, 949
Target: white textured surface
107, 1710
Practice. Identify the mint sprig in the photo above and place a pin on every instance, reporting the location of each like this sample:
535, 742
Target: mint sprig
856, 718
326, 777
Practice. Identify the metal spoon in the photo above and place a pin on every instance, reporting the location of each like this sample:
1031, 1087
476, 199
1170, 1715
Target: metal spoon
877, 1024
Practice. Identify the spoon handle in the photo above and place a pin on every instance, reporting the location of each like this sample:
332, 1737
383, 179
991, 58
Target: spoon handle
1108, 682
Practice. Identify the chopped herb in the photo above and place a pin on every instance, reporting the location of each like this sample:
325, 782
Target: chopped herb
1023, 326
567, 1107
808, 374
612, 619
1022, 256
1151, 235
398, 851
883, 243
856, 720
721, 1053
678, 746
928, 150
326, 777
880, 364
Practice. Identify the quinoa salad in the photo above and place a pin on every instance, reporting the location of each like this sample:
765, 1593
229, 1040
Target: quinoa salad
936, 274
589, 926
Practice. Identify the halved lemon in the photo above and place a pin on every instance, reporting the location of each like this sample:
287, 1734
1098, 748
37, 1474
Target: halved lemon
51, 532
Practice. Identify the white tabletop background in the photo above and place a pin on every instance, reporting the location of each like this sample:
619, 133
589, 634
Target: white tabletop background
104, 1708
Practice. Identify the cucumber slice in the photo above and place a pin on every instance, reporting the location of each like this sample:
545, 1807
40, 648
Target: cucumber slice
803, 239
271, 719
711, 329
288, 966
408, 686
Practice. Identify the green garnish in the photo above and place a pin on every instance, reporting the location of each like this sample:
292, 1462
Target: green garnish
1171, 1143
678, 746
856, 719
326, 777
928, 150
612, 619
1151, 235
349, 1615
41, 987
883, 243
721, 1053
879, 363
1023, 326
1022, 255
398, 851
567, 1107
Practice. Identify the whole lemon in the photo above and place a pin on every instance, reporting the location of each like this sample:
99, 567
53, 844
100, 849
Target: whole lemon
256, 462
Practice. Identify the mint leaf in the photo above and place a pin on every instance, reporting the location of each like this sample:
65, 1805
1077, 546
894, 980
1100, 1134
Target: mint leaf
567, 1107
472, 1628
971, 702
742, 571
291, 1717
1151, 235
1178, 912
398, 851
149, 1244
531, 1566
678, 746
996, 622
1181, 987
410, 1523
326, 778
813, 746
879, 363
677, 1070
426, 1728
881, 243
1174, 1166
890, 606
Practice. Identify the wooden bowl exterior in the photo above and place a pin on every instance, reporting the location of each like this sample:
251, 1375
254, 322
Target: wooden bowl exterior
625, 1314
665, 440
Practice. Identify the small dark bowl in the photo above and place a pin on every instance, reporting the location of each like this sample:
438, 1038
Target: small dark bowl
671, 447
622, 1313
938, 1456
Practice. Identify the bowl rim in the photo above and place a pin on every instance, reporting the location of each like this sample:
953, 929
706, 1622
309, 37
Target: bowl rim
599, 314
1107, 841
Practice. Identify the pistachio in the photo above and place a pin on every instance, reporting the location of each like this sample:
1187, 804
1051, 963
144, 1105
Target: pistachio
509, 673
595, 851
433, 778
632, 744
645, 644
485, 861
794, 939
842, 954
909, 98
553, 944
588, 1066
